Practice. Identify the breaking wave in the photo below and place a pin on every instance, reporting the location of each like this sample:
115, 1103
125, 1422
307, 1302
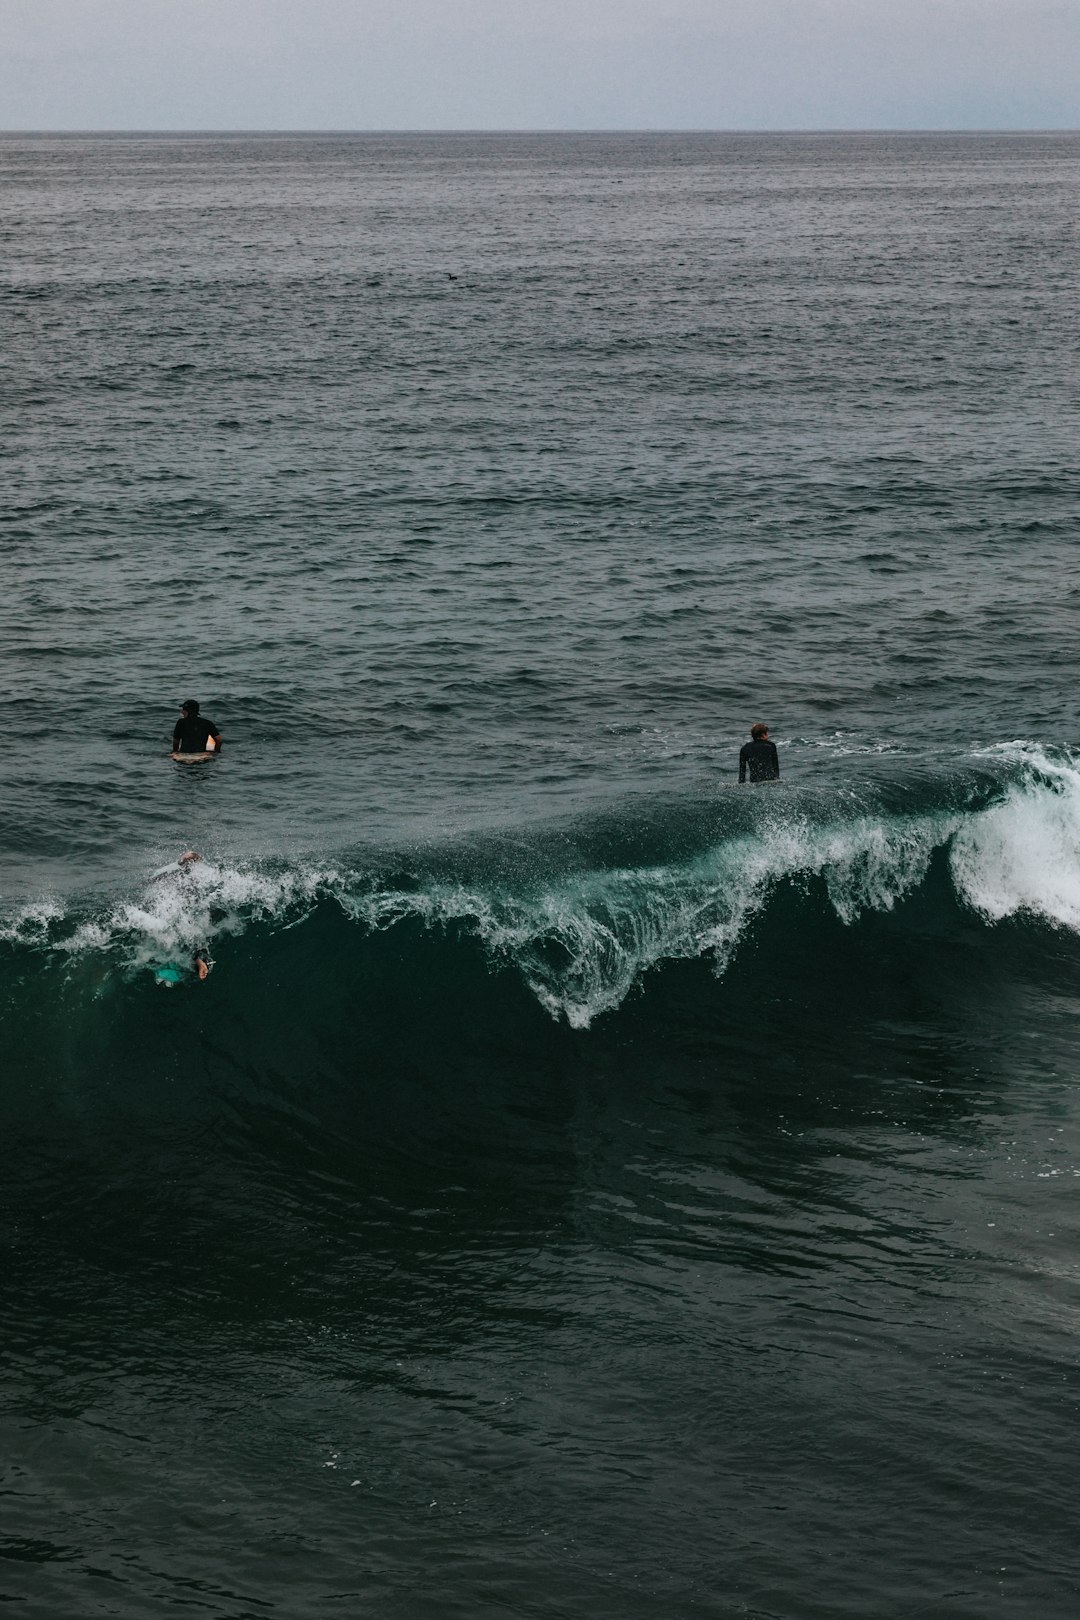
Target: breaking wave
584, 931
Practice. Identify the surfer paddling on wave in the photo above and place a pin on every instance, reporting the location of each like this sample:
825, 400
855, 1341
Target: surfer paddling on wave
195, 734
201, 961
759, 757
179, 868
169, 975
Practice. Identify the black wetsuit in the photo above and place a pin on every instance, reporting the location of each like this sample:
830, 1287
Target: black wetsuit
191, 734
761, 758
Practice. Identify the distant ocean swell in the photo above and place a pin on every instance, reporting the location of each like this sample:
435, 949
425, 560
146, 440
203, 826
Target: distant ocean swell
584, 937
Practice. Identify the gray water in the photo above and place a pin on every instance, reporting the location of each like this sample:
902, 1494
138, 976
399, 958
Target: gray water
583, 1186
706, 429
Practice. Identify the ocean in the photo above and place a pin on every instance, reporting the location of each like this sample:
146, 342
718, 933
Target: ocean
584, 1186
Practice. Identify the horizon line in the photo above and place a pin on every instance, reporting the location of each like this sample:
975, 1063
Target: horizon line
539, 129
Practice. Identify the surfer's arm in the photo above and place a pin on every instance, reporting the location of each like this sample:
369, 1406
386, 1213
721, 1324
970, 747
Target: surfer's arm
776, 761
742, 763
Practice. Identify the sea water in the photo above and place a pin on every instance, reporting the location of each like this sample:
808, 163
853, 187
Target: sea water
583, 1187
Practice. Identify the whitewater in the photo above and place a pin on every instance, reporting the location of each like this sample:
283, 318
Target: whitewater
584, 938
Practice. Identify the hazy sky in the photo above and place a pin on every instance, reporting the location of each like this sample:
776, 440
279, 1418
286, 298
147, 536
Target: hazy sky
539, 64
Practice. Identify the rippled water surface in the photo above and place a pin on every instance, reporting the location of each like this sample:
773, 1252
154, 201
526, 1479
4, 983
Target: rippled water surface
583, 1187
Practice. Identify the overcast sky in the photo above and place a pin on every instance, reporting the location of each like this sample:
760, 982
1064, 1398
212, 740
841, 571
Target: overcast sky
539, 64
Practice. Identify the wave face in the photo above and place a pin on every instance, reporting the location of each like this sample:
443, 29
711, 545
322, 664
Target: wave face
584, 934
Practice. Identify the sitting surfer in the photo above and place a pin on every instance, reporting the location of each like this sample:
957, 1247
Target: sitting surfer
759, 757
194, 734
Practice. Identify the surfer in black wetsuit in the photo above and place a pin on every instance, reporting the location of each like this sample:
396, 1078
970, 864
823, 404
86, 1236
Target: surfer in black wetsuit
192, 732
759, 757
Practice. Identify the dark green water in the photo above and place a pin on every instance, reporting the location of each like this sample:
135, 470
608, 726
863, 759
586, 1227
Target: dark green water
582, 1187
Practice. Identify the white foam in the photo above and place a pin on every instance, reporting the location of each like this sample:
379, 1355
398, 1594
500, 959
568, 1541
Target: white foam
584, 941
584, 944
181, 911
31, 923
1022, 856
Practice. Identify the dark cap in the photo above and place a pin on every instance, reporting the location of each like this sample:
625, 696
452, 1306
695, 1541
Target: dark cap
190, 706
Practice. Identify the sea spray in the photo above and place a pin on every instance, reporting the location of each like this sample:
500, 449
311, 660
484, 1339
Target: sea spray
584, 937
1023, 854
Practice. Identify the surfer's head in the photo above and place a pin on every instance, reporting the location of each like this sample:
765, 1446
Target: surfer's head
190, 707
759, 732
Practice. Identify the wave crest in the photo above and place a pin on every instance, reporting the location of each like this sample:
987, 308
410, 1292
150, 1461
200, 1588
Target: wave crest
584, 939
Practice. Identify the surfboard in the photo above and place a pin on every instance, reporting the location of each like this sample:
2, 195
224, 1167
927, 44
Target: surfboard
202, 753
168, 975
